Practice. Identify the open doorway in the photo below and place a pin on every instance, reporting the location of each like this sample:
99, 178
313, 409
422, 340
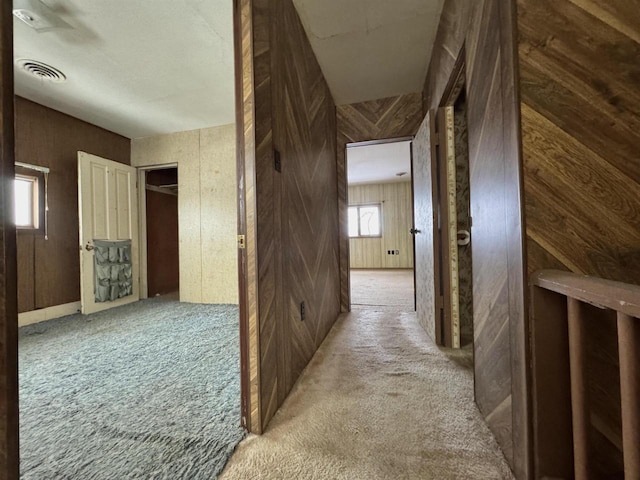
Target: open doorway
452, 226
98, 391
381, 247
160, 265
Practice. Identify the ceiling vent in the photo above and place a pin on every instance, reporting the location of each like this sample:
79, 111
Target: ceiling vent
41, 70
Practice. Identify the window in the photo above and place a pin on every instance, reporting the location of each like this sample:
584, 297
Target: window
27, 205
364, 221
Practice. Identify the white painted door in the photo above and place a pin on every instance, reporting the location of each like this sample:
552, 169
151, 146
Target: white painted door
108, 208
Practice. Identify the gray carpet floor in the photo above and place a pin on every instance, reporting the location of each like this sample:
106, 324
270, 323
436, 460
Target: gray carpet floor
145, 391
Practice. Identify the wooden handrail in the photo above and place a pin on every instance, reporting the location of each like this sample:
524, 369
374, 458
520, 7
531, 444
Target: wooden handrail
558, 330
618, 296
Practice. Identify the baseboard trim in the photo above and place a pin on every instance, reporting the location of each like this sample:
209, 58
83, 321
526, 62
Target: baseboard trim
36, 316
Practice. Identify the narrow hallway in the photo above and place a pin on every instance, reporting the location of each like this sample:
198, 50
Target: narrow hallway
378, 401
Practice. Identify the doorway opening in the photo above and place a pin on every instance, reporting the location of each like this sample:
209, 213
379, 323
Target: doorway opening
380, 212
160, 262
452, 228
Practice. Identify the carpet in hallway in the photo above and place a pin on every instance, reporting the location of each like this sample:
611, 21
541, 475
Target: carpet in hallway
388, 290
378, 401
148, 390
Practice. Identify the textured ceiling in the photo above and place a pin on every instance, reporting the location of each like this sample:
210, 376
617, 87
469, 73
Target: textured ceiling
371, 49
137, 68
379, 163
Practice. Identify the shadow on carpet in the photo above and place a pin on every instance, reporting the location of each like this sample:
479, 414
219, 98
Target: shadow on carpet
148, 390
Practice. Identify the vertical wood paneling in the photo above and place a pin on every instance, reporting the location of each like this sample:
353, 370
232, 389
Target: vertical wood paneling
52, 139
288, 107
395, 201
579, 75
9, 445
27, 272
485, 28
374, 120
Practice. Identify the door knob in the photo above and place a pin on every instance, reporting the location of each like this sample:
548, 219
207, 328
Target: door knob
88, 246
413, 231
464, 237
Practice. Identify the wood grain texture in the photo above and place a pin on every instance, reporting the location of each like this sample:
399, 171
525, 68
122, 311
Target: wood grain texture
52, 139
247, 212
374, 120
397, 216
424, 218
486, 30
288, 108
580, 71
9, 444
305, 135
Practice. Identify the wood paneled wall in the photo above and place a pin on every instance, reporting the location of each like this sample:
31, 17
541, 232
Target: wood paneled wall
9, 444
207, 207
392, 117
486, 29
288, 108
579, 79
397, 214
49, 270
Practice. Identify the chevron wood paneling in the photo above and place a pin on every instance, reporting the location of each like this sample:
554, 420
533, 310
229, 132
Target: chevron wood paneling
580, 72
486, 30
288, 108
305, 136
374, 120
9, 446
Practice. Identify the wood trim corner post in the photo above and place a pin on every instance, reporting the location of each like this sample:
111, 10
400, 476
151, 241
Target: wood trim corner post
9, 443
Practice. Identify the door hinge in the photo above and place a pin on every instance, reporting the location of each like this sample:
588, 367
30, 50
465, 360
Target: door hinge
241, 242
277, 163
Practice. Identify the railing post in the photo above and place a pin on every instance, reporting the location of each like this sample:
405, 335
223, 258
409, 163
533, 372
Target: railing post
629, 352
579, 388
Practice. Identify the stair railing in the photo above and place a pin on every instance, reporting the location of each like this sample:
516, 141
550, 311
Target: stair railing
560, 393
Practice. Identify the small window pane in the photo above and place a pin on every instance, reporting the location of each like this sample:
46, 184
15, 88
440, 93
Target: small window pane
369, 221
25, 207
353, 221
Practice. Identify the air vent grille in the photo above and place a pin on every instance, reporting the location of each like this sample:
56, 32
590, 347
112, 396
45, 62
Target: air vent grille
42, 70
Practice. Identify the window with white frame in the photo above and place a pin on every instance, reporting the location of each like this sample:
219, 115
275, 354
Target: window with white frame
365, 221
26, 201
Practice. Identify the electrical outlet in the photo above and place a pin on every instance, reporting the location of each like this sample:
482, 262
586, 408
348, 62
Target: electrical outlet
303, 312
397, 252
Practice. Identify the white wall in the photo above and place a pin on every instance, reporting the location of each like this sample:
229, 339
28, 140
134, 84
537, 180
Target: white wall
395, 199
207, 207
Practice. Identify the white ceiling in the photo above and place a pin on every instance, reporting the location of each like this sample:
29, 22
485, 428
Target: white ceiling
137, 68
379, 163
370, 49
142, 68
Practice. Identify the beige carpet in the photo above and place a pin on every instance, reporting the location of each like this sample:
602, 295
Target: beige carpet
378, 401
382, 290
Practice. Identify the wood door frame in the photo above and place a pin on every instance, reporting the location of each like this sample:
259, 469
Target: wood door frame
444, 328
9, 424
250, 408
345, 207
